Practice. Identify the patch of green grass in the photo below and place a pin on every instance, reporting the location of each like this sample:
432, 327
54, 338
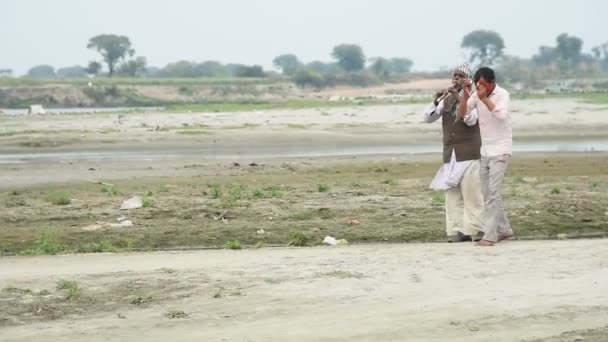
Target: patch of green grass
216, 191
233, 244
71, 287
594, 185
271, 191
555, 191
103, 246
276, 191
147, 202
47, 243
238, 191
15, 192
59, 198
299, 239
258, 193
322, 187
111, 190
518, 179
438, 198
302, 216
16, 290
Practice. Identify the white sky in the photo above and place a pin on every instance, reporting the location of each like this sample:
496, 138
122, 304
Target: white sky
56, 32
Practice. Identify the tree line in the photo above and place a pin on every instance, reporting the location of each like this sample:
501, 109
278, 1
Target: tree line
349, 65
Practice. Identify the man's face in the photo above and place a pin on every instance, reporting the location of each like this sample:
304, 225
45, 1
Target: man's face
458, 77
482, 82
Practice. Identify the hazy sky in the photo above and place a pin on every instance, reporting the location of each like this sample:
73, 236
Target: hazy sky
429, 32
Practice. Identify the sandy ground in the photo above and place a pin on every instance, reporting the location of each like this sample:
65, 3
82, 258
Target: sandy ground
316, 128
519, 291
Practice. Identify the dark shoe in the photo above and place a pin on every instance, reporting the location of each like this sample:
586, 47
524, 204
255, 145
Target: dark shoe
478, 236
459, 238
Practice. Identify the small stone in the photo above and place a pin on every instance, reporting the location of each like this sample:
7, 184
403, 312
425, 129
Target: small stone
562, 236
354, 222
171, 314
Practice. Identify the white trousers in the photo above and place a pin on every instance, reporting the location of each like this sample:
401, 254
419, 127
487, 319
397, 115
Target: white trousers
464, 204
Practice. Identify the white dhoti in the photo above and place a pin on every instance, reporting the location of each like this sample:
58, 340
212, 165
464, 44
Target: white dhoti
463, 197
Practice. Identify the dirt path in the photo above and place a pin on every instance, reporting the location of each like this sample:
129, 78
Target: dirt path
519, 291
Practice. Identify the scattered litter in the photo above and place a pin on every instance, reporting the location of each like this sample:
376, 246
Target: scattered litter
331, 241
562, 236
261, 231
121, 218
132, 203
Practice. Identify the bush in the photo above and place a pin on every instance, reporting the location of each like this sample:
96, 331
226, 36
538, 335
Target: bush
308, 78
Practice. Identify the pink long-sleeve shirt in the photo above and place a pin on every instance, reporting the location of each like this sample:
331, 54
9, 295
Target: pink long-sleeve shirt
495, 126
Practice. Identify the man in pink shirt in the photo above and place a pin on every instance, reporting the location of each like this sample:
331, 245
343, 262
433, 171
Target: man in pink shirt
492, 104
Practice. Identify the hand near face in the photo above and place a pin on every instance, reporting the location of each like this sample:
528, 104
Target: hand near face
482, 91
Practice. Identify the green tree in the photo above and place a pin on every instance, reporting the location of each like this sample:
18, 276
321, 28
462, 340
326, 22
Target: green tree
600, 53
210, 69
250, 71
72, 71
350, 57
568, 51
381, 67
483, 47
41, 71
112, 48
179, 69
93, 68
134, 67
308, 78
288, 63
324, 68
400, 65
546, 55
